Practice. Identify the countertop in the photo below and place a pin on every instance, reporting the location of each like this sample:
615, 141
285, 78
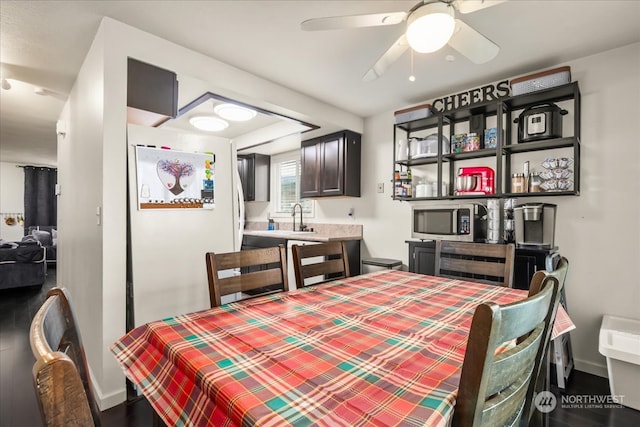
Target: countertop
321, 233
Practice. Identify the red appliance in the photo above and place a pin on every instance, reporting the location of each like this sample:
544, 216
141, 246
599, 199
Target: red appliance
483, 179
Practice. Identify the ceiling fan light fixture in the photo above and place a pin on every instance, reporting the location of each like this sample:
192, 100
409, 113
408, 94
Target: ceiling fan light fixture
234, 112
430, 27
208, 123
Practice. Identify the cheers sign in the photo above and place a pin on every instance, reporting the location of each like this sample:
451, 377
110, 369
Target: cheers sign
472, 97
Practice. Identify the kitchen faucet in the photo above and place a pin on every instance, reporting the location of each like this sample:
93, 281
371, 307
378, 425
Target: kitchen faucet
293, 214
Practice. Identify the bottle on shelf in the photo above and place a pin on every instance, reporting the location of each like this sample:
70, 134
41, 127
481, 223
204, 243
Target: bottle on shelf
534, 183
518, 183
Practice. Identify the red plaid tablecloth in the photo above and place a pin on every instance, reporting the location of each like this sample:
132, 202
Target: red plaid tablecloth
382, 349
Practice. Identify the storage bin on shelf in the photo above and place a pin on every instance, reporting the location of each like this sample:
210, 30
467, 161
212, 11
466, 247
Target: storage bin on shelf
542, 80
413, 113
620, 343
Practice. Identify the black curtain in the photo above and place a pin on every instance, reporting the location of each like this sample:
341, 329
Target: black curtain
40, 204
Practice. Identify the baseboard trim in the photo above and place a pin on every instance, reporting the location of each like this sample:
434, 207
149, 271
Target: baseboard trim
591, 367
110, 400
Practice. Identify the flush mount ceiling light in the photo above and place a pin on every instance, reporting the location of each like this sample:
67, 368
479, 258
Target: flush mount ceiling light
5, 84
430, 27
234, 112
208, 123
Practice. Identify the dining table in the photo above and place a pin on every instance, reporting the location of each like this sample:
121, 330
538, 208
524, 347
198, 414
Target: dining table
380, 349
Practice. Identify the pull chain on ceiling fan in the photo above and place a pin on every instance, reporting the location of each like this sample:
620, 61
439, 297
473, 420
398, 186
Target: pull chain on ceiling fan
430, 25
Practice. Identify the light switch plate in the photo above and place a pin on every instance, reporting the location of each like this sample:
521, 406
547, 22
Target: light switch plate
381, 187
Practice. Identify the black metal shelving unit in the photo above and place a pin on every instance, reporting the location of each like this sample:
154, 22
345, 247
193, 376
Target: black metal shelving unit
503, 110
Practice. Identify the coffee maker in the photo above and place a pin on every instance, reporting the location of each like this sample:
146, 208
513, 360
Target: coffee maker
475, 180
535, 225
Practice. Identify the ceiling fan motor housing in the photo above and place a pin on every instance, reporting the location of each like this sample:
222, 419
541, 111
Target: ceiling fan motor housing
430, 27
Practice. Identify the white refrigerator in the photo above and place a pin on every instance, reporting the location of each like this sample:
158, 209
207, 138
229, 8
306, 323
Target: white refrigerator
167, 271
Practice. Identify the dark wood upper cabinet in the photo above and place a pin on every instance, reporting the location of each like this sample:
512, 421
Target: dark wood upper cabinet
310, 173
331, 165
152, 94
255, 171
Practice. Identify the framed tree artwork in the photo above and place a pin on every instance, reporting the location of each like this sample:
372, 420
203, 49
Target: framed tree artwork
169, 179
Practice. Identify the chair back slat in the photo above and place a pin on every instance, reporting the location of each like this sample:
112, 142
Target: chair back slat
494, 385
482, 268
320, 262
323, 249
478, 262
265, 268
248, 258
60, 373
332, 266
531, 309
509, 365
502, 408
250, 281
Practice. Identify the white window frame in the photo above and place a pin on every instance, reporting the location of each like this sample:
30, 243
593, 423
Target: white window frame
309, 204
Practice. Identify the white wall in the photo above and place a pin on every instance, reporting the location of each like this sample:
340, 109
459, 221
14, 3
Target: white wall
599, 231
81, 245
92, 173
11, 199
169, 259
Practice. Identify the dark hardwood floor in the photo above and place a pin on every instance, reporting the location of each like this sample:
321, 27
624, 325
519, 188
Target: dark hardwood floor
18, 406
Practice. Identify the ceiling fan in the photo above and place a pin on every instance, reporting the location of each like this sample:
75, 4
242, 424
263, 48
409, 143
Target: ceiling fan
430, 25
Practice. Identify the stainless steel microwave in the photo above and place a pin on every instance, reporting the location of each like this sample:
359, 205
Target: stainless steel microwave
463, 222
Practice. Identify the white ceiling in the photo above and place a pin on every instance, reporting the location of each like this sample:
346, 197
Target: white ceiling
43, 43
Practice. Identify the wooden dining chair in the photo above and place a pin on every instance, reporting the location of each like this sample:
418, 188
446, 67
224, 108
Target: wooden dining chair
319, 263
541, 371
477, 262
267, 268
493, 385
60, 373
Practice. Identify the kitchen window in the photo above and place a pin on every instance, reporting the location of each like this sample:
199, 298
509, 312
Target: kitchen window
286, 185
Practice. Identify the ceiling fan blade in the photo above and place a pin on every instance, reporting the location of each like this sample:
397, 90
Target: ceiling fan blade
389, 57
472, 44
468, 6
353, 21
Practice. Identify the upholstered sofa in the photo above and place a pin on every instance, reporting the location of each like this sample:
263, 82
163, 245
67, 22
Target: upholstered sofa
22, 264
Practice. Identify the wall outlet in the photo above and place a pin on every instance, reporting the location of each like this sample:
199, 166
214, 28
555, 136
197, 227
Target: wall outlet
380, 187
